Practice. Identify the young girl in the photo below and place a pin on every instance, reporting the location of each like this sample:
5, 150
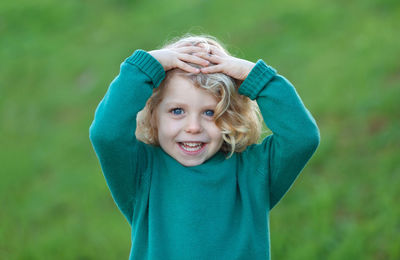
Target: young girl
192, 182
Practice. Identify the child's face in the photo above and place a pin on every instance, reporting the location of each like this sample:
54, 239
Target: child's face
185, 122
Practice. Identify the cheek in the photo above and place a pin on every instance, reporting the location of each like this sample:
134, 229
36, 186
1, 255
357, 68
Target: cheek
215, 132
167, 127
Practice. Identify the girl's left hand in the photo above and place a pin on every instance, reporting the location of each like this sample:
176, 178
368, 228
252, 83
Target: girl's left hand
224, 63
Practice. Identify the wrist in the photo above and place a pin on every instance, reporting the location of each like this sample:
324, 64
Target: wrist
148, 64
258, 78
247, 67
157, 54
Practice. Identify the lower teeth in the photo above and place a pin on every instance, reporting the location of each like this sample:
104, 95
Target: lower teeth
191, 149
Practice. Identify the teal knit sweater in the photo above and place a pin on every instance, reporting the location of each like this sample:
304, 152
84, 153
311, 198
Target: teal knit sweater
216, 210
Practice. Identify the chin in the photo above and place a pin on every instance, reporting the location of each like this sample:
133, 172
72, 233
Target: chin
190, 162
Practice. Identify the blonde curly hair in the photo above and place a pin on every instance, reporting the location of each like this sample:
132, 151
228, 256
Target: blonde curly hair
236, 115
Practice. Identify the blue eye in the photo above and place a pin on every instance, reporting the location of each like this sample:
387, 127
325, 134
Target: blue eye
177, 111
209, 112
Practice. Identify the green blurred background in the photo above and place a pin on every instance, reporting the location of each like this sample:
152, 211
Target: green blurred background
57, 59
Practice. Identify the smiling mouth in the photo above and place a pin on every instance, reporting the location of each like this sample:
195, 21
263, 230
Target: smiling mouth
192, 147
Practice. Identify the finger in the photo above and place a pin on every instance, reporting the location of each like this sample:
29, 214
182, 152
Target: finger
186, 67
217, 51
213, 69
207, 56
189, 49
193, 59
206, 47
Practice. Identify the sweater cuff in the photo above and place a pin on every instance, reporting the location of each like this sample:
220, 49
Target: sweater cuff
257, 79
149, 65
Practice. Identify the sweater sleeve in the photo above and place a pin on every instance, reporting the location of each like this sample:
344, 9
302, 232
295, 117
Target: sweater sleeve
122, 157
295, 133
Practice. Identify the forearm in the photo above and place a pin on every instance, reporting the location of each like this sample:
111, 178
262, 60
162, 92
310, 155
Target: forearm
112, 132
295, 134
115, 117
282, 109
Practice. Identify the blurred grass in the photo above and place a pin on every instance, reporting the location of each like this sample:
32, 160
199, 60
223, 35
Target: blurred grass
58, 57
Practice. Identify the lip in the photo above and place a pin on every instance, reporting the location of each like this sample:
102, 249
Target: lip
196, 152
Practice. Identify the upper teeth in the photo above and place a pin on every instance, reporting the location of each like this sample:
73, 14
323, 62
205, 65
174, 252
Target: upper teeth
192, 147
192, 144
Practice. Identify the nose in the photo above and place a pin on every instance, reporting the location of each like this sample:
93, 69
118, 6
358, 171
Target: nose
193, 125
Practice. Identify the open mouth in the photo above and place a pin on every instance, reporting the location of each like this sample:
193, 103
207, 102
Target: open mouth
192, 147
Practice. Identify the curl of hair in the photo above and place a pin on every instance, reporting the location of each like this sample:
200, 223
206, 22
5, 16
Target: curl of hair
236, 115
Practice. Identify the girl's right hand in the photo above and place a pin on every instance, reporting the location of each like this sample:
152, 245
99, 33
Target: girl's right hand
178, 57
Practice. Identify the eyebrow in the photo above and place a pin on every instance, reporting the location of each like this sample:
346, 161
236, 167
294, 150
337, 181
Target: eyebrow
180, 104
175, 104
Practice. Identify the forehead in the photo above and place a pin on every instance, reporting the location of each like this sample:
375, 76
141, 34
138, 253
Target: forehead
182, 89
